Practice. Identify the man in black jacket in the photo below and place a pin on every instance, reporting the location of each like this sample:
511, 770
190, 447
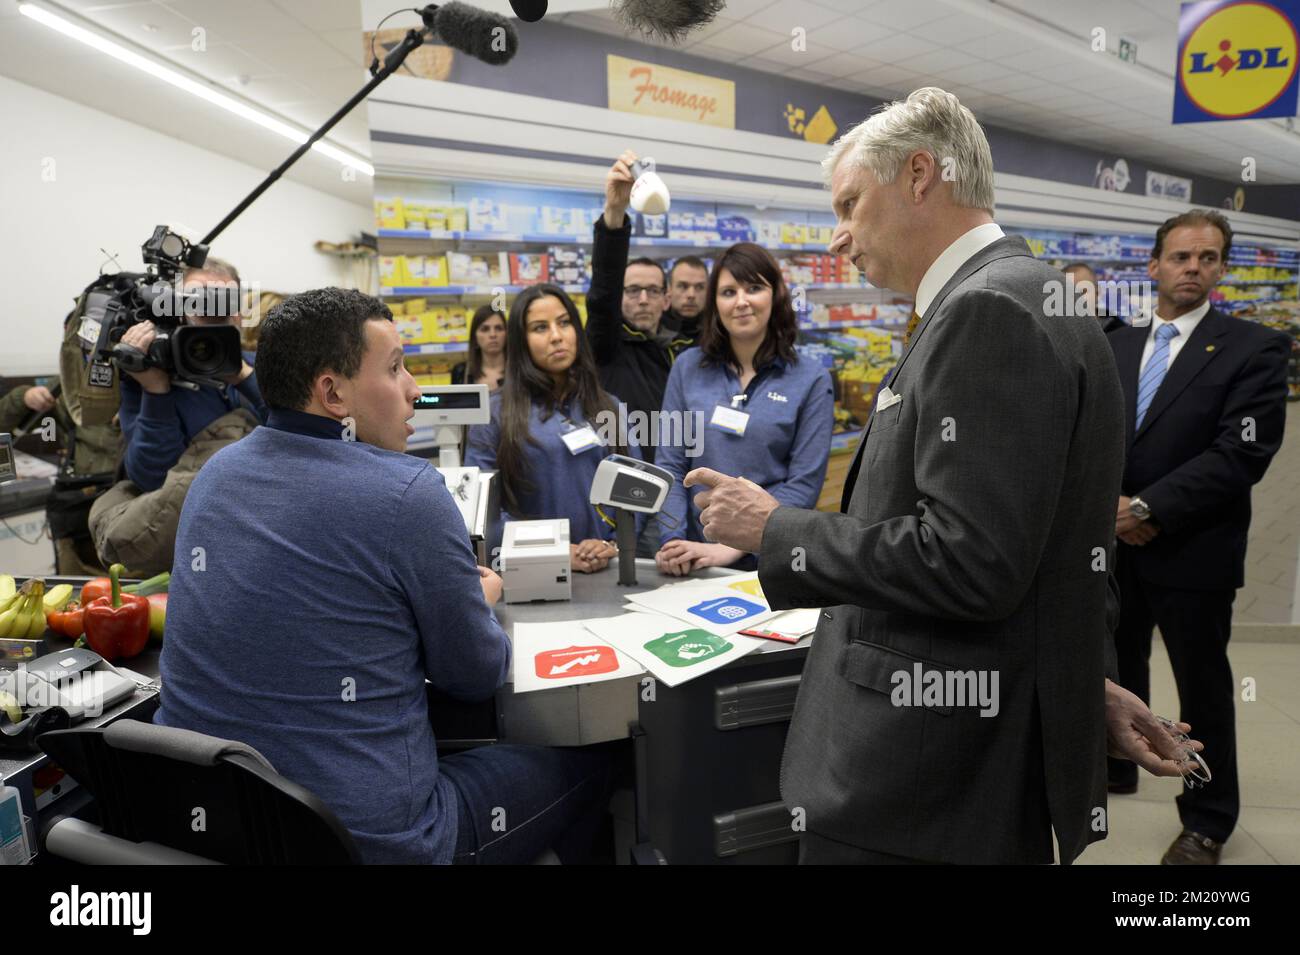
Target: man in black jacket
1205, 404
688, 284
634, 349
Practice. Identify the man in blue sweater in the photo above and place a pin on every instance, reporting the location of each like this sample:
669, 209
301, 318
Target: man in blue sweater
160, 417
321, 575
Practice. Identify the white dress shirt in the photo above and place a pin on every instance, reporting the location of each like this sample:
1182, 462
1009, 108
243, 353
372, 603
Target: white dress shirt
950, 260
1185, 324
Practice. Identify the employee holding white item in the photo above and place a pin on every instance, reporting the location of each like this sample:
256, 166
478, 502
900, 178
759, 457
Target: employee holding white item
767, 412
545, 437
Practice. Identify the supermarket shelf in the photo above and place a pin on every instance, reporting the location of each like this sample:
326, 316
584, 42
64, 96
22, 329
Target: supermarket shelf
442, 348
1280, 282
425, 291
543, 238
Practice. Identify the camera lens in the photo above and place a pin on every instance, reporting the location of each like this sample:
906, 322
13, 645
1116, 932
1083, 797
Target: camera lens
206, 351
201, 354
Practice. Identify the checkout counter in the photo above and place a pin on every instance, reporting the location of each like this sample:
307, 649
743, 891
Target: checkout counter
708, 752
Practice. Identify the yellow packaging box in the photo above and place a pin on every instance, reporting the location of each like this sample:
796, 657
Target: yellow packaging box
392, 213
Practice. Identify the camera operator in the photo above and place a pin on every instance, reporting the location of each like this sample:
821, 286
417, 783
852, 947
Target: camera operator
172, 428
89, 450
160, 418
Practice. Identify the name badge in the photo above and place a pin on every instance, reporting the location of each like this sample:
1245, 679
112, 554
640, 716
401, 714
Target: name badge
580, 439
88, 332
730, 420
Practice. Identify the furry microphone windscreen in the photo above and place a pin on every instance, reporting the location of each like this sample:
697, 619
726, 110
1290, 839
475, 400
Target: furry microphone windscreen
667, 20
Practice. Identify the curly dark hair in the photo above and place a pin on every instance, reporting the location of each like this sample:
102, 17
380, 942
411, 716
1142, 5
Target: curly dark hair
310, 333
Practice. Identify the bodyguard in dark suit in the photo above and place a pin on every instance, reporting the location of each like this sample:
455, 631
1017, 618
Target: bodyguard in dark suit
1205, 408
973, 541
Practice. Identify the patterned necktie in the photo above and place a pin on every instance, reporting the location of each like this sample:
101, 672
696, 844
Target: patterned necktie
911, 327
1154, 372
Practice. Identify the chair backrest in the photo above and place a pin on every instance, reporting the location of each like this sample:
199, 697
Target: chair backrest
237, 810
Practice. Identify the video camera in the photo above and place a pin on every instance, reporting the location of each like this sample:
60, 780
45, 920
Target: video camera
199, 353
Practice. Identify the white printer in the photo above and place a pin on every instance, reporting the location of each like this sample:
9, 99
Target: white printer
535, 562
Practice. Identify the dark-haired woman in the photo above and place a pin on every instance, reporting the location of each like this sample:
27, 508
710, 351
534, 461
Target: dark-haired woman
486, 362
546, 434
767, 413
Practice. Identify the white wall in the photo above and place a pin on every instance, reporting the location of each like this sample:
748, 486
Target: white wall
113, 181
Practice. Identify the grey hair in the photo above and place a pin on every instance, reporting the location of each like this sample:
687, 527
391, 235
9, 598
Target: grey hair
215, 266
930, 120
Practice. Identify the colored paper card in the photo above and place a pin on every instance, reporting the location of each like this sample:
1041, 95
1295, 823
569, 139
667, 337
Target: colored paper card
721, 605
563, 653
672, 651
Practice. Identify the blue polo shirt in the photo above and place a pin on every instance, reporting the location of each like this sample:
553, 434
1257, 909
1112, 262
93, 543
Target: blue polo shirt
335, 577
786, 444
561, 481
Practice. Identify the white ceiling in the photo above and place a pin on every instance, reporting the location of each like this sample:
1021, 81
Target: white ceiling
1022, 64
298, 59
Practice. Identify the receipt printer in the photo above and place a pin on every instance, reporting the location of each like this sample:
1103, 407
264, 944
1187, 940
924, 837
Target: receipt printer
535, 562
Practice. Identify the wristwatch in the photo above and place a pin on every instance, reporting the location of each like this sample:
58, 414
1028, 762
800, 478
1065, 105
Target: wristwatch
1139, 508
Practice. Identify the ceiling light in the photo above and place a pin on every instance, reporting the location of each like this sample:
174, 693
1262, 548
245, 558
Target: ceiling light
193, 87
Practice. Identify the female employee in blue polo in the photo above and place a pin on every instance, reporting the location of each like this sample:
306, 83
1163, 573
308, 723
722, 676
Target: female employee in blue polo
545, 437
767, 413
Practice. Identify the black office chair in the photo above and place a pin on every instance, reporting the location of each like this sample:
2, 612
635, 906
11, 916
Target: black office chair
170, 796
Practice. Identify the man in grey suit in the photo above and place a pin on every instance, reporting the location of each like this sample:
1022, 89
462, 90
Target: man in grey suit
954, 706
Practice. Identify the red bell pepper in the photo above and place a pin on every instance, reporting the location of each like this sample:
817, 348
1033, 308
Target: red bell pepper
69, 622
117, 626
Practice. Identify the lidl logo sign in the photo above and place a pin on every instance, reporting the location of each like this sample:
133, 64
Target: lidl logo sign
1237, 60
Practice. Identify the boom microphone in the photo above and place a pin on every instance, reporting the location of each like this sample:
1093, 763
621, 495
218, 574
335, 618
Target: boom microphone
484, 36
668, 20
530, 11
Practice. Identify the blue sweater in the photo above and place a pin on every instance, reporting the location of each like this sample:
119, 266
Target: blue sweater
785, 447
561, 481
158, 428
336, 577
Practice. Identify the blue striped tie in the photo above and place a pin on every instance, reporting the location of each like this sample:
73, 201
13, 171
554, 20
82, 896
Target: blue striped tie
1154, 372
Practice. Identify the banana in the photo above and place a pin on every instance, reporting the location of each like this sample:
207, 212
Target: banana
37, 626
56, 598
23, 622
9, 706
10, 616
7, 588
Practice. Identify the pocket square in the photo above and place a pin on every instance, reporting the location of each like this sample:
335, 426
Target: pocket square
886, 399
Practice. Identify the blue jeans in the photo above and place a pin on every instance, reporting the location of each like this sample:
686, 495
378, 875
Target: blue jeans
517, 801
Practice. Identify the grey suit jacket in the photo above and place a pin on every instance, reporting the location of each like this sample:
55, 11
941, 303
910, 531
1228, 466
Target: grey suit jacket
976, 536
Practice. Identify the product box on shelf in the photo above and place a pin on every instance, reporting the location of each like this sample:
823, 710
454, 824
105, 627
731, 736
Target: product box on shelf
485, 215
569, 265
390, 213
427, 270
652, 227
529, 268
480, 268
